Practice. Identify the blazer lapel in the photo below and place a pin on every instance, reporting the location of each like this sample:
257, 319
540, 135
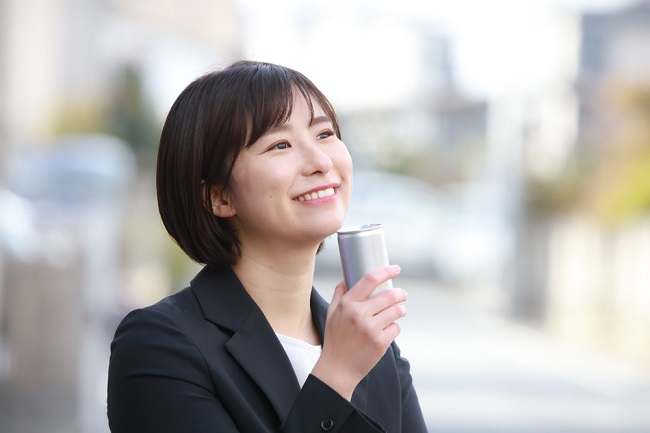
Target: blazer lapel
226, 303
257, 349
318, 312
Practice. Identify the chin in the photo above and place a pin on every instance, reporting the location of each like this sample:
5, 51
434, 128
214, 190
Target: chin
328, 228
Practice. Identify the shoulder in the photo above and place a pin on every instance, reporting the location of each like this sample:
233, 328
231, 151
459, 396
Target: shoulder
175, 316
160, 339
162, 317
183, 303
169, 311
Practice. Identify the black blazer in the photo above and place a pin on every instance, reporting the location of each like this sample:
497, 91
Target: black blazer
206, 360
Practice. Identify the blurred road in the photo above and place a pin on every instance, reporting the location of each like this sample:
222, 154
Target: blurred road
474, 373
478, 373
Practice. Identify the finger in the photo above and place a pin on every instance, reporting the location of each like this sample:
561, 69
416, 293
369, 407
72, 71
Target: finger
384, 299
339, 291
384, 318
391, 332
366, 285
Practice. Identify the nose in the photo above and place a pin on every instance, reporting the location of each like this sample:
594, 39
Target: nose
316, 160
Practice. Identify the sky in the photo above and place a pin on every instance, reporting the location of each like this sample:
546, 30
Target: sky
497, 45
363, 53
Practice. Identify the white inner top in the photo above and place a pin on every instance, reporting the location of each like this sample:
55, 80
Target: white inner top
303, 356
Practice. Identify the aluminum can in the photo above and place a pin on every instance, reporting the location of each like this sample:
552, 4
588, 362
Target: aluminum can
362, 249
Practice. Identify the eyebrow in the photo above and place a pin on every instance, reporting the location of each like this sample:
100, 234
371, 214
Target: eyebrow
314, 121
320, 119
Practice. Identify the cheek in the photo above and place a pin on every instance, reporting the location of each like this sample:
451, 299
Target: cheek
343, 160
264, 187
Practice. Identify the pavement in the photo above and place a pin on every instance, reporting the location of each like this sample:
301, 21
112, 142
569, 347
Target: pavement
476, 372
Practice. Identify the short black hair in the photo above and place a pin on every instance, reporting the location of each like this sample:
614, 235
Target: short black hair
210, 123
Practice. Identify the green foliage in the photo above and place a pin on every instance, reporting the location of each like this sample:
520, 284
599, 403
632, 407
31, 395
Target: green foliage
558, 195
631, 196
610, 177
131, 118
626, 163
180, 267
79, 117
126, 114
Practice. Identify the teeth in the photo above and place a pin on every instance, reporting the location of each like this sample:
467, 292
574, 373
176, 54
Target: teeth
317, 194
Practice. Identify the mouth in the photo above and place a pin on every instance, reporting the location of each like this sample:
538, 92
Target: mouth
314, 195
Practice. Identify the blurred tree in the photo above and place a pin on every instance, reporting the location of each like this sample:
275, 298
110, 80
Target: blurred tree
621, 190
610, 175
79, 116
131, 117
126, 114
561, 194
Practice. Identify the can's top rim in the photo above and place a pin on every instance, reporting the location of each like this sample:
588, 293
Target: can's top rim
359, 228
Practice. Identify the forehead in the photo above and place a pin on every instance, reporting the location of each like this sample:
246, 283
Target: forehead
268, 101
306, 104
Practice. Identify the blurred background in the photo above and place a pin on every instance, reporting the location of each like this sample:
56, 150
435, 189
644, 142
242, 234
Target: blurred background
505, 146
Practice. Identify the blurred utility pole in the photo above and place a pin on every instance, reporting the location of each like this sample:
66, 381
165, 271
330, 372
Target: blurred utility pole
4, 60
4, 144
507, 125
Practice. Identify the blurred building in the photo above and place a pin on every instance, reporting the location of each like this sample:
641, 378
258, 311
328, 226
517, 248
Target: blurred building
60, 53
63, 207
550, 112
583, 262
433, 118
614, 58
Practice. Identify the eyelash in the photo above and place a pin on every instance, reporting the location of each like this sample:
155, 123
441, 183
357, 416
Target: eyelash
281, 143
328, 133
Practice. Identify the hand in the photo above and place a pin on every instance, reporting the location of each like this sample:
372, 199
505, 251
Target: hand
359, 330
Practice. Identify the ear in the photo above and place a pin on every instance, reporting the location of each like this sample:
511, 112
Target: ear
220, 203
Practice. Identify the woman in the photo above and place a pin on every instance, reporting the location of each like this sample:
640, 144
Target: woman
252, 176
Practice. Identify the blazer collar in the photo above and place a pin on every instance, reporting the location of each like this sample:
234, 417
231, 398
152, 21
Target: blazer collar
225, 302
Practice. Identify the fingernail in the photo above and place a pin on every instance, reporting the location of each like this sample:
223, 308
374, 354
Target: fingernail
397, 268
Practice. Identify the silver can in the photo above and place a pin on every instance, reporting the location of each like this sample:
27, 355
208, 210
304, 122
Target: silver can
362, 249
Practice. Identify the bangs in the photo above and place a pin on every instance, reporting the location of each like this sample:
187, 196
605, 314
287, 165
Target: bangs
269, 100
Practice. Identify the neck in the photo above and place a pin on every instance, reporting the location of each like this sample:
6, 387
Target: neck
281, 287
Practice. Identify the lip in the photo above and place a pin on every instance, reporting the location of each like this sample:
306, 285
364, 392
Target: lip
319, 188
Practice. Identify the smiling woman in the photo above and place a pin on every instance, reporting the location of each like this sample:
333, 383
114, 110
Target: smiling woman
252, 176
302, 157
221, 107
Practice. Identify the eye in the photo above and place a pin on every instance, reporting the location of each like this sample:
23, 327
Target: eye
279, 146
325, 134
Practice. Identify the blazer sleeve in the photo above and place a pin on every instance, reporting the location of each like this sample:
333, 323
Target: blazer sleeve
159, 382
412, 418
319, 409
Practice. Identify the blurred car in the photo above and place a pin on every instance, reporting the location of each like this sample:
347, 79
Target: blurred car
18, 233
455, 237
74, 171
477, 235
75, 184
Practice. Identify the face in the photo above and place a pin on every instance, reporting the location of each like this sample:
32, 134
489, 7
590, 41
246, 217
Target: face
293, 185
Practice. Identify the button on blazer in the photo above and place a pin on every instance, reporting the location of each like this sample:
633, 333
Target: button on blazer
205, 359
